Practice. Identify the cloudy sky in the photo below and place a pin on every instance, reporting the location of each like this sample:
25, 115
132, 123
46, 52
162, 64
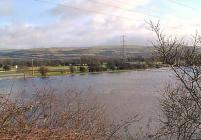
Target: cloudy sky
83, 23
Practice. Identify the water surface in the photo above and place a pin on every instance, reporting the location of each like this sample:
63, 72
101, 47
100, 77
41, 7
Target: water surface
123, 93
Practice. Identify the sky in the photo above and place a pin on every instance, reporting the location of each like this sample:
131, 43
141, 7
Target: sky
86, 23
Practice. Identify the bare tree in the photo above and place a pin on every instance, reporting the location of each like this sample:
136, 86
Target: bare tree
167, 48
49, 116
181, 104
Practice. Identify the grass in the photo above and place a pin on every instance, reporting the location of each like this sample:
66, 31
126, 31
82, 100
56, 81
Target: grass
53, 71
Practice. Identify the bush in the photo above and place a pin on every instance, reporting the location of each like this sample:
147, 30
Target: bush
83, 69
111, 67
158, 66
124, 66
43, 71
46, 115
97, 68
6, 67
63, 71
140, 66
72, 69
130, 66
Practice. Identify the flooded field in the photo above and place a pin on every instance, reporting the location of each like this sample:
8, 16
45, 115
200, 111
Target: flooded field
124, 94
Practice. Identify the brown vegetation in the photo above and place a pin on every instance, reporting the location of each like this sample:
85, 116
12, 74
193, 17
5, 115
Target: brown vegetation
46, 115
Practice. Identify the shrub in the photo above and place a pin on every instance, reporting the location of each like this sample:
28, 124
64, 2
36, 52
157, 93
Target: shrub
83, 69
63, 71
72, 69
46, 115
6, 67
43, 71
97, 68
139, 66
111, 67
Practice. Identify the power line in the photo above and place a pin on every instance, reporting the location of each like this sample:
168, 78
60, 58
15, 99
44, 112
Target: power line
147, 8
124, 9
172, 1
182, 4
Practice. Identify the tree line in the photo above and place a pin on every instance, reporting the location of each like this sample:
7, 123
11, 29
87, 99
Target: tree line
86, 63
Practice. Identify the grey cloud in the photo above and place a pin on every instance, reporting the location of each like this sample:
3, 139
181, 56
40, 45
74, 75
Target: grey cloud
58, 35
72, 30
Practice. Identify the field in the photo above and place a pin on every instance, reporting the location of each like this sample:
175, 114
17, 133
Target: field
28, 72
39, 56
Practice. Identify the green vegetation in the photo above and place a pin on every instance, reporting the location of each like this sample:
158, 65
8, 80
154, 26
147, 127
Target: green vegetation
43, 71
72, 69
91, 60
83, 69
6, 68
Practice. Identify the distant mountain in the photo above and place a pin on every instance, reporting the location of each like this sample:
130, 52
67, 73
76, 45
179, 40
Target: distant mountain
67, 53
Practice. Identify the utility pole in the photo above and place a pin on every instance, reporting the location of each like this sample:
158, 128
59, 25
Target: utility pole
32, 63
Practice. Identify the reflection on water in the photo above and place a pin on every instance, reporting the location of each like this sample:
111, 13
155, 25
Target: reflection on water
146, 82
123, 93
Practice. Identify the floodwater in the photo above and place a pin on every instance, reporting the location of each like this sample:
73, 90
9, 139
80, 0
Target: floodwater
124, 93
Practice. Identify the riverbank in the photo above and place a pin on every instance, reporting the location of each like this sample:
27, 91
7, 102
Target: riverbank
21, 75
52, 74
8, 71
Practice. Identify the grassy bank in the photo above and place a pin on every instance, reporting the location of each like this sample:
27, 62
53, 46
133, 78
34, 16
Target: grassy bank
60, 71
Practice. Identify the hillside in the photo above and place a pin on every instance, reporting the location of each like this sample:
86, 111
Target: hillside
67, 53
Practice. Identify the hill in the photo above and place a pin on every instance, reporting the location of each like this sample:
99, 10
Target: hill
67, 53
